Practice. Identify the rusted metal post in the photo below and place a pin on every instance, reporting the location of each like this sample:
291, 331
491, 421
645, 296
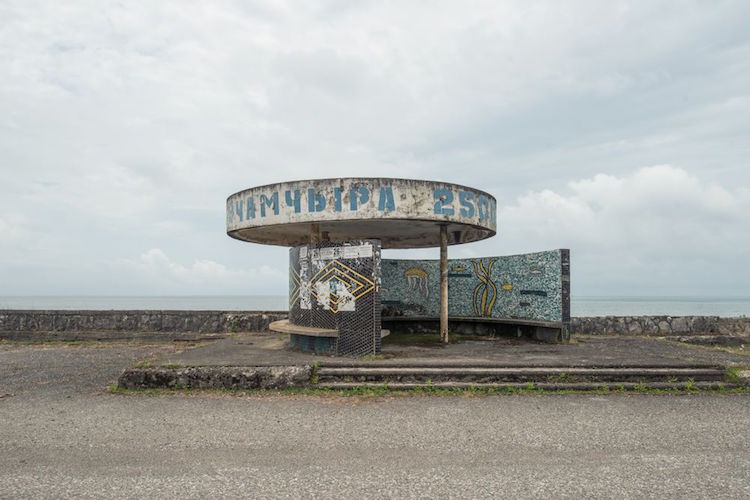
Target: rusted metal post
444, 283
314, 232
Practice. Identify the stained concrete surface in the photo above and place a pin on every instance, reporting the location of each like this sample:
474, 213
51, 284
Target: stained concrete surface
71, 368
62, 435
269, 349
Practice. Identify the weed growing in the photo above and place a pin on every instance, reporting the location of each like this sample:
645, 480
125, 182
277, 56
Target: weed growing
733, 374
383, 390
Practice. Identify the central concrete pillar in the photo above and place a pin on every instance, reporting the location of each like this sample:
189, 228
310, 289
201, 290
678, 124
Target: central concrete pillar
334, 297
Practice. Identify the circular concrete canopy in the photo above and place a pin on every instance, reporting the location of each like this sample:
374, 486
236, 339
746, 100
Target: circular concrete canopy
401, 213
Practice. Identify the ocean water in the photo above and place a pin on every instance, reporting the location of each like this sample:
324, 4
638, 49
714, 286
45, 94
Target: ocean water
651, 306
580, 306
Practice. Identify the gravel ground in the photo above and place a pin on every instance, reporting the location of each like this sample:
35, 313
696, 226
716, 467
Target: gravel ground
57, 369
61, 436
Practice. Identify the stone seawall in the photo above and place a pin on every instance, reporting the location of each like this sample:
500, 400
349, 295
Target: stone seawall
661, 326
64, 324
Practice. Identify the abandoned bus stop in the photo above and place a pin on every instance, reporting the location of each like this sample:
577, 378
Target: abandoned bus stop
341, 293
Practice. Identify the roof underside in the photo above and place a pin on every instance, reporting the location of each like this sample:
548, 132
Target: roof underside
393, 233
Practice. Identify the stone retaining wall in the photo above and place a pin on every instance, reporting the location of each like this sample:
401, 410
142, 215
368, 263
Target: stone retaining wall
16, 324
660, 325
63, 324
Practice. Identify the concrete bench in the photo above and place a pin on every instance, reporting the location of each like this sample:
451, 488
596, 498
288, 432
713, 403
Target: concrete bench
284, 326
307, 338
544, 331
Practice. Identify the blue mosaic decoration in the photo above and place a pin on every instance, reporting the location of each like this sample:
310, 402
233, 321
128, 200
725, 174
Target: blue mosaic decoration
325, 345
534, 286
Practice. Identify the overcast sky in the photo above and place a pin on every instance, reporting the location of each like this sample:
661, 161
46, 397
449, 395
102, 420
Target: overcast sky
620, 130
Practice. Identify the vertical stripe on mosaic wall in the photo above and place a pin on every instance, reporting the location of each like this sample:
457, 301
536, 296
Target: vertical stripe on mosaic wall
565, 272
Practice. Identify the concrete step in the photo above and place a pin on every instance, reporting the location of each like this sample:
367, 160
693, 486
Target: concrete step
422, 375
334, 362
546, 386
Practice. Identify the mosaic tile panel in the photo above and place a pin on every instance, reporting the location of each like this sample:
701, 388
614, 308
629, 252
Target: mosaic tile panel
337, 286
532, 286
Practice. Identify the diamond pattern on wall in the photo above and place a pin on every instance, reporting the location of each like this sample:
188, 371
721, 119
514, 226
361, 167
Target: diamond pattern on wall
337, 285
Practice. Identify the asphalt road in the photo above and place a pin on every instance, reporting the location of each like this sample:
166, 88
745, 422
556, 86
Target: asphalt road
61, 435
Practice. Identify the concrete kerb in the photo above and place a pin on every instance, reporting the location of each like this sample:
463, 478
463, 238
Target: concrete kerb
263, 361
302, 377
217, 377
400, 378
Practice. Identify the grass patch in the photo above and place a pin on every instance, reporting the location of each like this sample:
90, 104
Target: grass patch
742, 350
314, 377
427, 390
418, 339
172, 366
563, 378
371, 357
733, 374
640, 387
144, 363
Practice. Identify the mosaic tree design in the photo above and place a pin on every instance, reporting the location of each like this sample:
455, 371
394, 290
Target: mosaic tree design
485, 292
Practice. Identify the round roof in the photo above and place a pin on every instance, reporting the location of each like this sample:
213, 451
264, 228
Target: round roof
402, 213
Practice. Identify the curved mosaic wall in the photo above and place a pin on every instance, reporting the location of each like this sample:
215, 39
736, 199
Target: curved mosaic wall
534, 287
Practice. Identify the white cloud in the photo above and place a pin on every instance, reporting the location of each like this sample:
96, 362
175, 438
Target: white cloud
168, 276
657, 229
11, 228
125, 126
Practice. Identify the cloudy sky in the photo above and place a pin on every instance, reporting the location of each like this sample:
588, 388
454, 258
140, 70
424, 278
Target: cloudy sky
620, 130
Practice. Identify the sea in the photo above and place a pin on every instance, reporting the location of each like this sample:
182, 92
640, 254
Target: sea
580, 306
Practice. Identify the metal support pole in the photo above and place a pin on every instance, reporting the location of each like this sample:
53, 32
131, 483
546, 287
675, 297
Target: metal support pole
444, 283
314, 232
